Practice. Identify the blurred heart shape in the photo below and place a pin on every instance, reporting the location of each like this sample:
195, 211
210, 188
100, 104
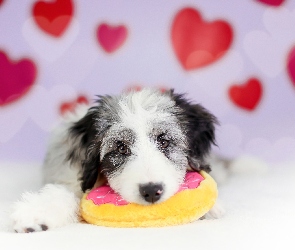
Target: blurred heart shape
111, 37
291, 65
271, 2
16, 78
53, 17
198, 43
248, 95
70, 106
48, 47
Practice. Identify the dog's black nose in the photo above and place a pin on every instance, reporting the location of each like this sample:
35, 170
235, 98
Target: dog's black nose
151, 192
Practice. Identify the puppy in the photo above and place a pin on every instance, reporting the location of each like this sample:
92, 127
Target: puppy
141, 143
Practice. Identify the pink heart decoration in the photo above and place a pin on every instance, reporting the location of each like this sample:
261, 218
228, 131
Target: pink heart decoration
291, 65
110, 37
271, 2
16, 78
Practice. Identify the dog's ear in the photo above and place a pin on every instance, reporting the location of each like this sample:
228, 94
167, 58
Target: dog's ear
84, 148
199, 125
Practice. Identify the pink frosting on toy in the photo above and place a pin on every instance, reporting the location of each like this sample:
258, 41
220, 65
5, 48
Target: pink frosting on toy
106, 195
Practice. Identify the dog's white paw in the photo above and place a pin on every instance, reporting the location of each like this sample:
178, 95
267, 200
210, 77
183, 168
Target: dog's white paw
216, 212
54, 206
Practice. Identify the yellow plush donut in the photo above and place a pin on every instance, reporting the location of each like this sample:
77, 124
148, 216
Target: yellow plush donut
196, 196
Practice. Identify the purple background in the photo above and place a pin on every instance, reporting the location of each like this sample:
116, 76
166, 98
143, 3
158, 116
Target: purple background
75, 64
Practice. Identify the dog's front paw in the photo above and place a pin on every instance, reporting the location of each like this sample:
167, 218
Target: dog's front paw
23, 227
29, 217
54, 206
216, 212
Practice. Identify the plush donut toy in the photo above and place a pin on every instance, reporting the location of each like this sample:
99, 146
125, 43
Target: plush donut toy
103, 207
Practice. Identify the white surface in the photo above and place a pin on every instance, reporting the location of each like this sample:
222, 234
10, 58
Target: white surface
260, 215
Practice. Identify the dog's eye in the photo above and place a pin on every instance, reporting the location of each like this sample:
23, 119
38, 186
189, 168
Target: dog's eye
122, 148
163, 142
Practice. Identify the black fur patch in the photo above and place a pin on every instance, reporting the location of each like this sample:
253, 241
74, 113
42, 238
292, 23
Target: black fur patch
112, 162
200, 126
84, 130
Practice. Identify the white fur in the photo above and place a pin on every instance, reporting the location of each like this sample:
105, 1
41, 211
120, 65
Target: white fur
55, 168
148, 166
217, 211
54, 206
140, 113
57, 204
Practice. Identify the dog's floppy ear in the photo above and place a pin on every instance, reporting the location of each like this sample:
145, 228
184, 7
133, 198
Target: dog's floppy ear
199, 125
84, 148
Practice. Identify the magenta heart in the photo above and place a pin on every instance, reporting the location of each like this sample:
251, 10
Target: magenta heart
291, 65
272, 2
111, 37
16, 78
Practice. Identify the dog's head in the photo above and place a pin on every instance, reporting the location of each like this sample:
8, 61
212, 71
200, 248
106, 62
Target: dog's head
142, 143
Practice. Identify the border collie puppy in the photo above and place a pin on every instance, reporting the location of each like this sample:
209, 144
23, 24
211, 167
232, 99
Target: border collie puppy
141, 143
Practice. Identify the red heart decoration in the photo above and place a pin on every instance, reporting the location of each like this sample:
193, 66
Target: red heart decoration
248, 95
111, 37
53, 17
196, 42
291, 65
70, 106
16, 78
1, 1
271, 2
